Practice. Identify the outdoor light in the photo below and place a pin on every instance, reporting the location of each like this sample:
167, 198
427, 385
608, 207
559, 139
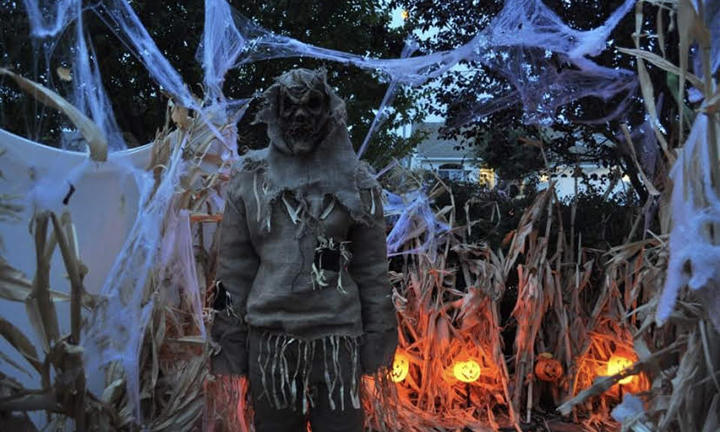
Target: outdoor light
617, 364
400, 368
466, 371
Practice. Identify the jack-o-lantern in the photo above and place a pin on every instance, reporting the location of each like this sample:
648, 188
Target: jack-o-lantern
548, 368
400, 368
466, 371
618, 363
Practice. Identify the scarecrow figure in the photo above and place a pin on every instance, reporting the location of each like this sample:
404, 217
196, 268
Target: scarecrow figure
303, 262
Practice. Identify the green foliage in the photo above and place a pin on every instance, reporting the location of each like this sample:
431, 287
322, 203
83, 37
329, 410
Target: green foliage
493, 212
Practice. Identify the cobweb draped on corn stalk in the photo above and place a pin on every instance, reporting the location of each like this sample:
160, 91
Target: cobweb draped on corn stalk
678, 337
158, 271
696, 217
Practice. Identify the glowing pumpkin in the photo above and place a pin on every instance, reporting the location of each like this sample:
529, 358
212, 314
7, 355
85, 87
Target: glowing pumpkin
547, 368
466, 371
617, 364
401, 365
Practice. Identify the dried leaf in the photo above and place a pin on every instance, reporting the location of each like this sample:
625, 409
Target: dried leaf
20, 342
13, 284
96, 140
180, 117
113, 391
662, 64
31, 401
39, 307
14, 364
64, 73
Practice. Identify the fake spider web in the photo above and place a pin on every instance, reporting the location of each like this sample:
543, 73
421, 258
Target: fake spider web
517, 44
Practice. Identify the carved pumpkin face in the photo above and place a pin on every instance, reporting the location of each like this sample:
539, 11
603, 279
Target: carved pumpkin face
466, 371
548, 369
401, 366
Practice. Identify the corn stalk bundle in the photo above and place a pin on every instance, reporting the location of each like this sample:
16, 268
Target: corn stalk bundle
674, 275
173, 357
651, 298
447, 314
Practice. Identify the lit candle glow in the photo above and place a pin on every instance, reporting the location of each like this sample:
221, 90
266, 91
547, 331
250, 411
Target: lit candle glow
466, 371
617, 364
401, 366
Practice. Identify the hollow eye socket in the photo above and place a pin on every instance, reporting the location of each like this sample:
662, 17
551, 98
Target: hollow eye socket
315, 101
287, 105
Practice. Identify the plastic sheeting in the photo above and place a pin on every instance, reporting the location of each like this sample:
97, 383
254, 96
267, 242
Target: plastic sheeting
103, 206
117, 327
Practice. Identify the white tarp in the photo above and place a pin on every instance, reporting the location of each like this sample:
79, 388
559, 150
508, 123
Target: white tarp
103, 208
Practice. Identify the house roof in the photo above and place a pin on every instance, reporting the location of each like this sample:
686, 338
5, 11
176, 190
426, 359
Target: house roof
433, 147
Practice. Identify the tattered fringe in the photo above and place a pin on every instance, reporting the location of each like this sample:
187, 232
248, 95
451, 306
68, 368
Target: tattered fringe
266, 194
280, 379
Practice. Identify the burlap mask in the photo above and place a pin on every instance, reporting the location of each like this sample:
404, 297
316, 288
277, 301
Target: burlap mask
310, 151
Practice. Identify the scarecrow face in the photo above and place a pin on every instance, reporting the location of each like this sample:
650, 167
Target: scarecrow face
303, 112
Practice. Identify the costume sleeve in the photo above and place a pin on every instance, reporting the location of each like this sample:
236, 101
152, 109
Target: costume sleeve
369, 269
237, 266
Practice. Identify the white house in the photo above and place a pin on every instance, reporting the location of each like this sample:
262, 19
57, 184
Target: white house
444, 157
448, 160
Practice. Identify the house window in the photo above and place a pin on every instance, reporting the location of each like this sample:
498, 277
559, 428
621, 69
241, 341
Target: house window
453, 172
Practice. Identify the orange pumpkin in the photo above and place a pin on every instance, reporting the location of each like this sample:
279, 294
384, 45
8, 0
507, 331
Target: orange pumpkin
400, 368
548, 368
466, 371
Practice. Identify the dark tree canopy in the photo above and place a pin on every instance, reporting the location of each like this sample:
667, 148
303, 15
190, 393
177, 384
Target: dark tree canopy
501, 138
177, 27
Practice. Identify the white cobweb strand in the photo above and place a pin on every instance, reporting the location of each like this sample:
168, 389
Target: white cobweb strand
693, 255
530, 23
180, 282
221, 45
50, 17
88, 91
60, 24
382, 113
513, 44
122, 19
117, 326
160, 243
